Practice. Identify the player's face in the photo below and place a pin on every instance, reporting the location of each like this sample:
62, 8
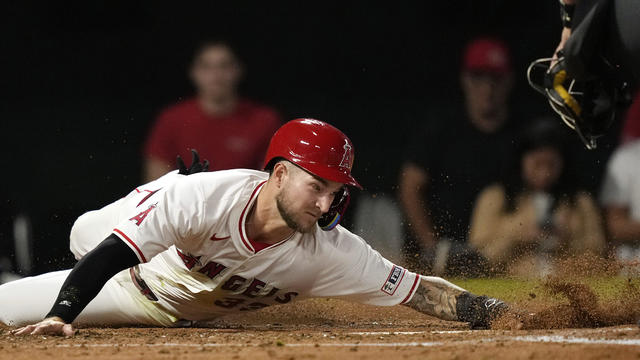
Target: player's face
304, 198
541, 168
216, 72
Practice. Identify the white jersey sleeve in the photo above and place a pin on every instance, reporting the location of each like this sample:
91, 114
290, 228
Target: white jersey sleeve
356, 272
172, 215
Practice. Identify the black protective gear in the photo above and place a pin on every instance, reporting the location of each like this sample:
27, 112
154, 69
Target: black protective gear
332, 218
89, 276
589, 106
196, 165
478, 311
599, 65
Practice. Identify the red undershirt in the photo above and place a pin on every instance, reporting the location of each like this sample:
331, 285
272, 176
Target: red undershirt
258, 246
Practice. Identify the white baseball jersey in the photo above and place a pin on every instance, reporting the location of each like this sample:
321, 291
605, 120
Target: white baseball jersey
211, 268
189, 233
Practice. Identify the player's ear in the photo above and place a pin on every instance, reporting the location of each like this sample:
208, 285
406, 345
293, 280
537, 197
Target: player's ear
280, 171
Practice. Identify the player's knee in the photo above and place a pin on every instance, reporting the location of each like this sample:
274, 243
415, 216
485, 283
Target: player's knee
8, 307
77, 237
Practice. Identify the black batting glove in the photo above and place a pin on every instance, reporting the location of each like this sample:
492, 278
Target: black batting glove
196, 165
479, 311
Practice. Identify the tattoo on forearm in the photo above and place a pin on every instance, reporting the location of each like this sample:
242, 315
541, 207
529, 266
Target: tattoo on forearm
437, 297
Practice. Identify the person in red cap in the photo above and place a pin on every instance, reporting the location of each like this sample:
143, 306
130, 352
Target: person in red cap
487, 81
213, 243
458, 152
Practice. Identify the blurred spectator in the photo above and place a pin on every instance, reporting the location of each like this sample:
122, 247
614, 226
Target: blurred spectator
535, 212
620, 198
15, 243
378, 219
227, 130
631, 127
6, 244
454, 157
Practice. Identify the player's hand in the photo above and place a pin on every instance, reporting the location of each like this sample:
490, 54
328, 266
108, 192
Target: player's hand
49, 326
196, 165
566, 33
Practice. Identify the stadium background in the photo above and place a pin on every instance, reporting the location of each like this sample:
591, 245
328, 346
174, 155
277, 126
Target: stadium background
81, 84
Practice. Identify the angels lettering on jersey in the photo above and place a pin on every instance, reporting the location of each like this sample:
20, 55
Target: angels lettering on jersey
202, 264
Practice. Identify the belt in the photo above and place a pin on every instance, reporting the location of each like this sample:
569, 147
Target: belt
141, 285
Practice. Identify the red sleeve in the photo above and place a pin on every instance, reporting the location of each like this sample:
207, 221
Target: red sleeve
161, 141
631, 129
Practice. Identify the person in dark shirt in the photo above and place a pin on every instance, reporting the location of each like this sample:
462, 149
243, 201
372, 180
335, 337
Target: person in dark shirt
537, 213
454, 157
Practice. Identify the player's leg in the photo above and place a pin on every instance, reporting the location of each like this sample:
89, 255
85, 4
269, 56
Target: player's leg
27, 301
92, 227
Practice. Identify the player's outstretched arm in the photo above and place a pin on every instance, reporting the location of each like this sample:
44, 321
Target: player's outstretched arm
444, 300
82, 285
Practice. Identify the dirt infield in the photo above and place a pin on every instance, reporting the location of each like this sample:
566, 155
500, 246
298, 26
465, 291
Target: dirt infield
583, 309
329, 329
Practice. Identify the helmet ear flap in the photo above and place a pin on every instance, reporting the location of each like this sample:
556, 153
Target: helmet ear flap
332, 218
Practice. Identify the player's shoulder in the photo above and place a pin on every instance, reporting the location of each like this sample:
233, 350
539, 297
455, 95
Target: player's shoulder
210, 183
339, 239
219, 184
231, 178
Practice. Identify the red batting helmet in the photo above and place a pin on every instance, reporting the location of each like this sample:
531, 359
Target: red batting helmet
315, 146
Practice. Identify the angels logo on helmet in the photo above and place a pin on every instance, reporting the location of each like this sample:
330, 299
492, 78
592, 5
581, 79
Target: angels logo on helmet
347, 161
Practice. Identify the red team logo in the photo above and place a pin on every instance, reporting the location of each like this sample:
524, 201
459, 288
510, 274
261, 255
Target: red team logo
150, 194
140, 217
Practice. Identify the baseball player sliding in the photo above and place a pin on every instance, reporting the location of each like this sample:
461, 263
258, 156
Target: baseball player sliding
212, 243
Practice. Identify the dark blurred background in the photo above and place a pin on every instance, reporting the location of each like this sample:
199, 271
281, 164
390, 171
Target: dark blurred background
82, 82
